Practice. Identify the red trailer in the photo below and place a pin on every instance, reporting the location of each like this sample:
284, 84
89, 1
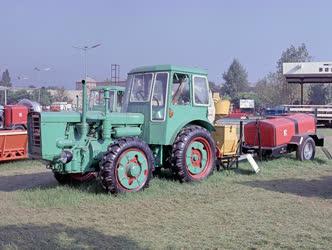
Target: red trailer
13, 136
15, 117
13, 145
283, 134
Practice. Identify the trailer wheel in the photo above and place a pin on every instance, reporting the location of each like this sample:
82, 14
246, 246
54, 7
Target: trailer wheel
19, 127
193, 155
126, 166
307, 150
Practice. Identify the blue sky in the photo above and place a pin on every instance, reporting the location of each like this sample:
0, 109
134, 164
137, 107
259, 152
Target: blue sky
206, 34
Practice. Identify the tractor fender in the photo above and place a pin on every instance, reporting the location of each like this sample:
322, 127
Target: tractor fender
204, 124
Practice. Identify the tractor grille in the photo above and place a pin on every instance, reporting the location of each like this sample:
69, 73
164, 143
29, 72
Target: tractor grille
34, 135
35, 126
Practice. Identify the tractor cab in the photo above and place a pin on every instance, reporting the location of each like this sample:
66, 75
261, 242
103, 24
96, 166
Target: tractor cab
97, 98
170, 98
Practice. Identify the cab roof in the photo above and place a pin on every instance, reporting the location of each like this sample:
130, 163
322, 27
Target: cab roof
168, 67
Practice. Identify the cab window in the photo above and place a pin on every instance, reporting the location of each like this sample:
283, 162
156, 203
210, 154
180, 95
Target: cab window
141, 87
201, 90
181, 89
96, 100
119, 100
158, 100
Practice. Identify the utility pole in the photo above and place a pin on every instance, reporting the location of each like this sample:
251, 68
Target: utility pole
39, 70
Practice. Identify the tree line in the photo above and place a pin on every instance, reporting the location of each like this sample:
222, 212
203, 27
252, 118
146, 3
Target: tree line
41, 95
272, 89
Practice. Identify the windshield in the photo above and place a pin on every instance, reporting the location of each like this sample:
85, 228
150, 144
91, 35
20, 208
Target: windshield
141, 87
96, 100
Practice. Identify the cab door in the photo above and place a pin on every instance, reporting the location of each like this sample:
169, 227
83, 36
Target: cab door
189, 101
158, 111
180, 104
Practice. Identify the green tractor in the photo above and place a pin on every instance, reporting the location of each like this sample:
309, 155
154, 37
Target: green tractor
163, 123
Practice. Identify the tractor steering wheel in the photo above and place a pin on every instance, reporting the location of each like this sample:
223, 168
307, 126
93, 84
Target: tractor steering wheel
140, 95
154, 98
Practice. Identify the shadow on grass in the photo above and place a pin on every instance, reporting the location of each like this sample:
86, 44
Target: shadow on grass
243, 171
58, 236
26, 181
42, 181
321, 187
164, 174
320, 161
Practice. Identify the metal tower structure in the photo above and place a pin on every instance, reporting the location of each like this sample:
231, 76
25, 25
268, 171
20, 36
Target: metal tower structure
115, 74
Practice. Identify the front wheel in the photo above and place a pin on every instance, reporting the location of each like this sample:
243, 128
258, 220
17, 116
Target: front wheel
193, 155
126, 166
306, 151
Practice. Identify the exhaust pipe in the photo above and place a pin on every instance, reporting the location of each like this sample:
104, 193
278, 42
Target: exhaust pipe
84, 124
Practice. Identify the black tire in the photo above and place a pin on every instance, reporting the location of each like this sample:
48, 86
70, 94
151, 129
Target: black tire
181, 145
19, 127
306, 151
110, 163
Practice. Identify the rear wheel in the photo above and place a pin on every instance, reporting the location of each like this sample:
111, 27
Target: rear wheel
306, 151
193, 155
126, 166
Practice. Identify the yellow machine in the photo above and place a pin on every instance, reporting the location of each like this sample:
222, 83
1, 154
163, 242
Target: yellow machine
225, 136
226, 140
222, 107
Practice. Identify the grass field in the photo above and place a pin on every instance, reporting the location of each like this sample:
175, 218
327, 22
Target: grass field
287, 205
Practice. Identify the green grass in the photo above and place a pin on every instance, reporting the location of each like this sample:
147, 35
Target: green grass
325, 131
20, 164
287, 205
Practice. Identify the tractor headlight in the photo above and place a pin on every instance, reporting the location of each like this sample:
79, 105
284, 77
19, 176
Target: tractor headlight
66, 156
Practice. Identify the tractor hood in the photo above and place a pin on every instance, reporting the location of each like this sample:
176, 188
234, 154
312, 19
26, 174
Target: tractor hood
75, 117
59, 117
47, 128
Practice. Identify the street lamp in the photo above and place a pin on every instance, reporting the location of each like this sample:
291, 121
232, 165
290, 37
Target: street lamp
38, 76
85, 50
39, 70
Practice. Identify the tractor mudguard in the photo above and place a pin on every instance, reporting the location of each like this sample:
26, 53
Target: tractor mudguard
204, 124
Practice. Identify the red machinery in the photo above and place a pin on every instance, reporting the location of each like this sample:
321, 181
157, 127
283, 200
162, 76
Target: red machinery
238, 114
15, 117
283, 134
55, 108
13, 145
13, 136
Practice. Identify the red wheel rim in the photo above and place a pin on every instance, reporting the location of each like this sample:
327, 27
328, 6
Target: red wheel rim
198, 160
131, 172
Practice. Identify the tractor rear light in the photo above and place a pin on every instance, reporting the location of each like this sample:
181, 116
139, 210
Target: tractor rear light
66, 156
